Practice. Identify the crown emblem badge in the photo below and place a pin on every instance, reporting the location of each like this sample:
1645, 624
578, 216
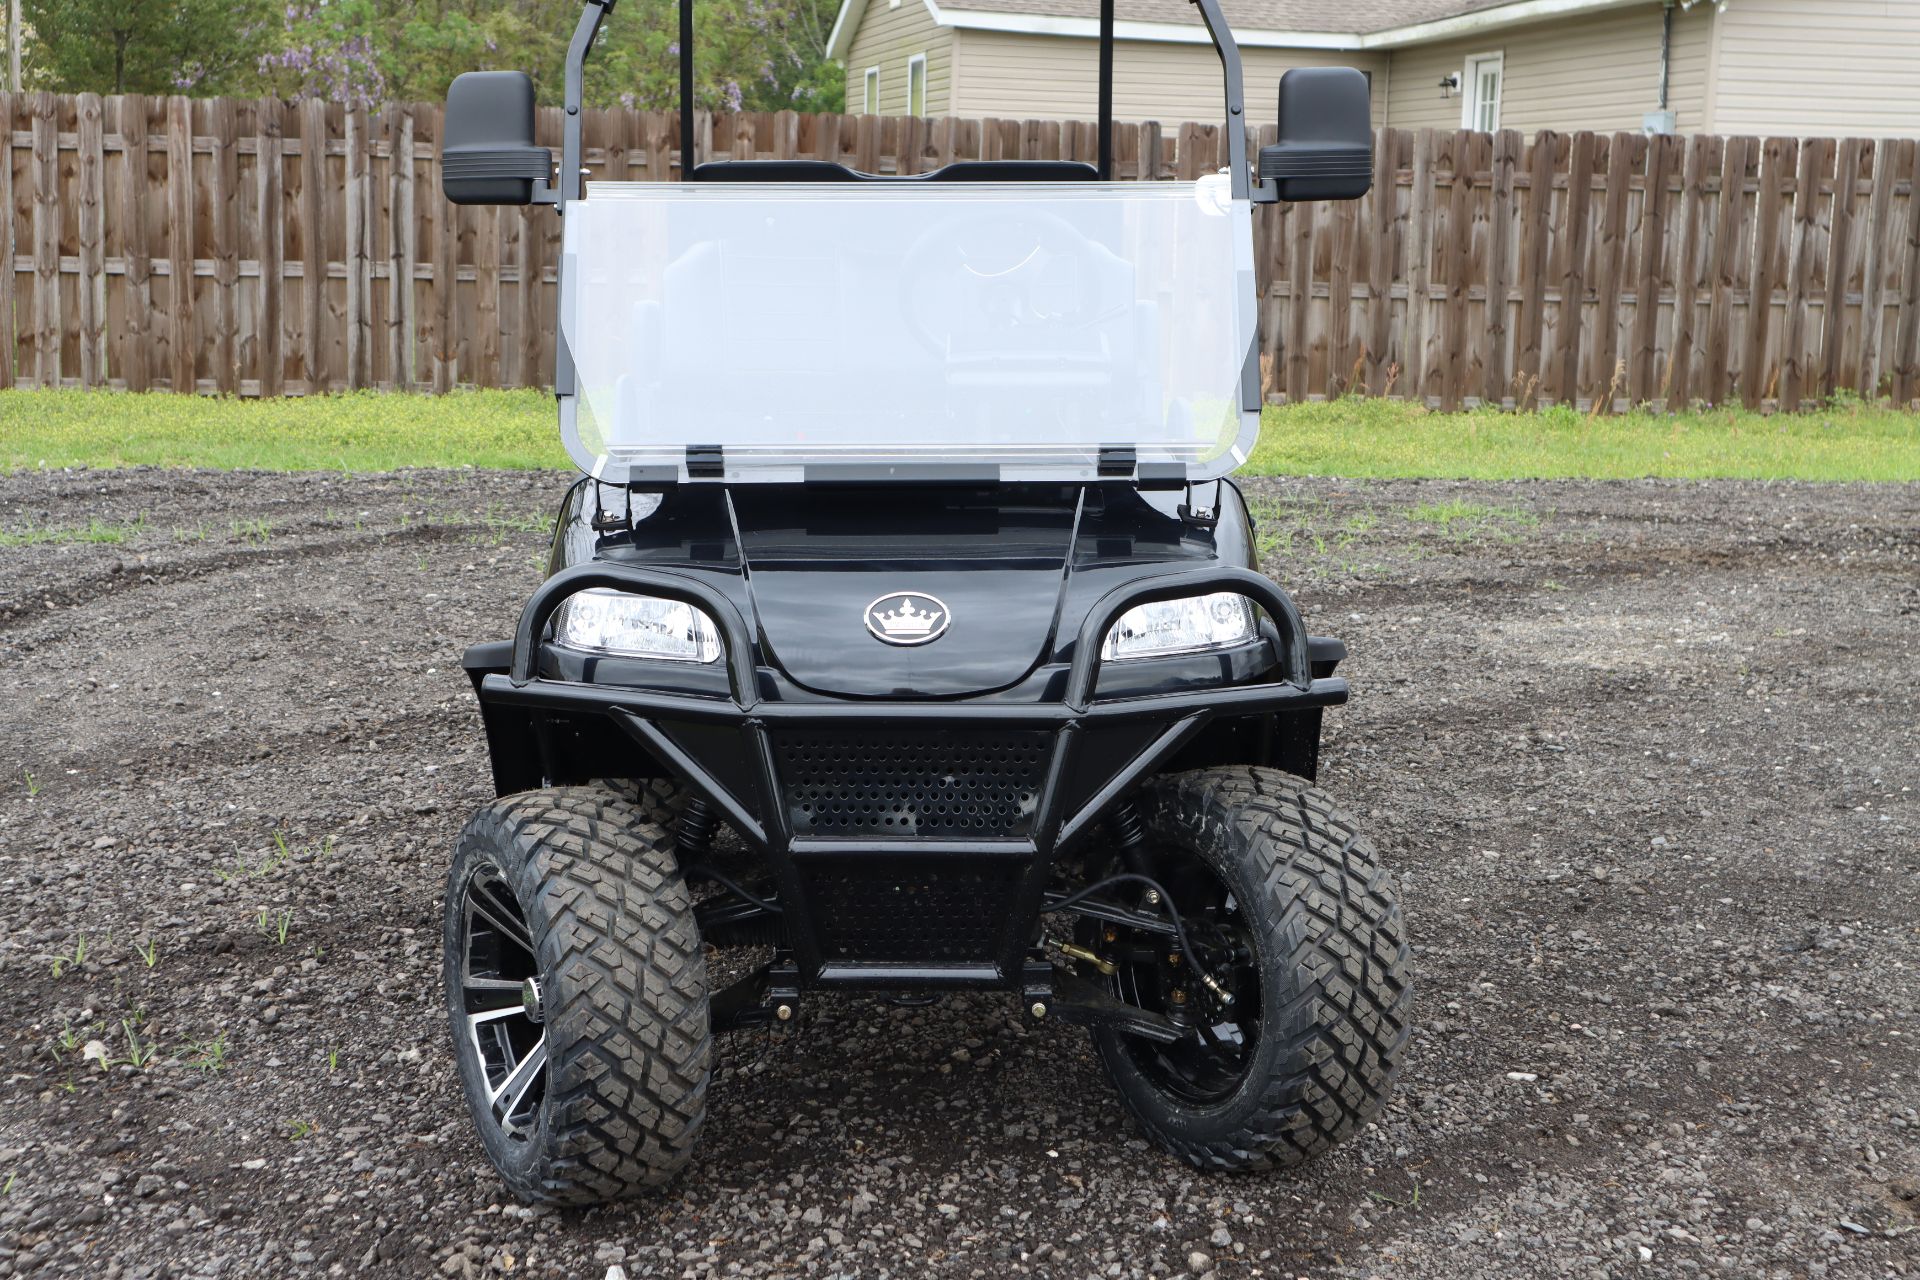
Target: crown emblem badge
907, 617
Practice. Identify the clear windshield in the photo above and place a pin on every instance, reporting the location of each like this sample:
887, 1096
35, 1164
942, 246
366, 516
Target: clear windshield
1015, 330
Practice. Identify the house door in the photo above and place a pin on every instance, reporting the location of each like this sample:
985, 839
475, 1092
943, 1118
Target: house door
1480, 103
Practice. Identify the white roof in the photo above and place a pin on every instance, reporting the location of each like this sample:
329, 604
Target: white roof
1298, 24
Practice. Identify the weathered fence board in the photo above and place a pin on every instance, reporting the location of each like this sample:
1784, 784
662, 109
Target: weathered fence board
268, 248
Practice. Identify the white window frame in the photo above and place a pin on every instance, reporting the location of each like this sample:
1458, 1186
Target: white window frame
1470, 89
918, 60
870, 92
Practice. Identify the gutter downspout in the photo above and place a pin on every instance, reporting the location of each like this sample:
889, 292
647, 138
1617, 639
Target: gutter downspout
1666, 50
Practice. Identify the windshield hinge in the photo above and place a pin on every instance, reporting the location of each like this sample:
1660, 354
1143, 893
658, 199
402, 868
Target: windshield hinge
1117, 460
605, 521
705, 462
1202, 515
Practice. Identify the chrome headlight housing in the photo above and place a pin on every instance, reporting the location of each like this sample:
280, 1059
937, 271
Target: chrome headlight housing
602, 620
1191, 624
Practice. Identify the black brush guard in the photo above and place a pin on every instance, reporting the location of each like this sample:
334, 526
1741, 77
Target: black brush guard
912, 841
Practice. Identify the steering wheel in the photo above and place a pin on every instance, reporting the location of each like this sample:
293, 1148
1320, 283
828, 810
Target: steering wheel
997, 277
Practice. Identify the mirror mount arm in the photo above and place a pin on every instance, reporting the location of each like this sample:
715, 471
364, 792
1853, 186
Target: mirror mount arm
572, 148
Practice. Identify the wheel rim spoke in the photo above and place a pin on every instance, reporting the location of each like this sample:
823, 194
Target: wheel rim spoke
497, 966
507, 1096
494, 1015
483, 903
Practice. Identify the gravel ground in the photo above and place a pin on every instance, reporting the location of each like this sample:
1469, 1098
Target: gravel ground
1643, 753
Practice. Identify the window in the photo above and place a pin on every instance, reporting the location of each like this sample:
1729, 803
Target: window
1480, 92
870, 92
917, 85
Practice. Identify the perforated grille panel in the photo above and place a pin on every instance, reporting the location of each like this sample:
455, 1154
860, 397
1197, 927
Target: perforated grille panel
953, 783
888, 910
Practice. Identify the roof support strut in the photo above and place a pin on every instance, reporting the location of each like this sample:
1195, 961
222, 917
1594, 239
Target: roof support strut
686, 89
572, 154
1223, 41
1106, 92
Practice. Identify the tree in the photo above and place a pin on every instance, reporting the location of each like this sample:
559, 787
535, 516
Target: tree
755, 55
750, 54
147, 46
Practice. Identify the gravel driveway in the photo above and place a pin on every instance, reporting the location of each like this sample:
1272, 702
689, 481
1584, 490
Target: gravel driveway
1644, 755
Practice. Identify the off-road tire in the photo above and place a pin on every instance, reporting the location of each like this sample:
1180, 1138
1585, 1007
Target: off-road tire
659, 800
1333, 964
624, 989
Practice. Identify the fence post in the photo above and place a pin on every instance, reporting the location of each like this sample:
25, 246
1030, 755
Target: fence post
1300, 301
1678, 383
1575, 236
1727, 227
8, 247
1455, 340
1531, 346
1873, 277
1806, 202
1846, 181
1419, 241
1380, 248
1646, 291
1346, 217
1610, 263
1506, 156
46, 241
1906, 359
270, 130
91, 292
446, 276
180, 255
355, 257
1776, 154
223, 179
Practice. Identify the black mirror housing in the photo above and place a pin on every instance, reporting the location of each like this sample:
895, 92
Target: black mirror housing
1325, 151
487, 155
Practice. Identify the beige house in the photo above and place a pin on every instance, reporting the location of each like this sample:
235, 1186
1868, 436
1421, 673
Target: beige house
1793, 67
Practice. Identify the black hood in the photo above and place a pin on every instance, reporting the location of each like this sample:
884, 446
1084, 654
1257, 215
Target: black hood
815, 561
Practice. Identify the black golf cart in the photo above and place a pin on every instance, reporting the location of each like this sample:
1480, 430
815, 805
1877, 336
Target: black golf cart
905, 627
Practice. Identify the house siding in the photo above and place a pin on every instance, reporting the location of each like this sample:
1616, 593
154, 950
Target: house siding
886, 38
1601, 73
1838, 68
1054, 77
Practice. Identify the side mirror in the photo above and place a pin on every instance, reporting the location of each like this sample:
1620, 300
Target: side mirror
1325, 151
487, 155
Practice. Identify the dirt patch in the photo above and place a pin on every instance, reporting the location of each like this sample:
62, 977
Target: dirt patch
1643, 753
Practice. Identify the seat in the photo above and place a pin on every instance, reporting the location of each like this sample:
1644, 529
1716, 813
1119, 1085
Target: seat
1015, 171
958, 171
774, 171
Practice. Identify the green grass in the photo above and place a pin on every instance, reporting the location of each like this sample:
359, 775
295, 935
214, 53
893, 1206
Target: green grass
94, 530
1456, 512
371, 431
1850, 441
364, 431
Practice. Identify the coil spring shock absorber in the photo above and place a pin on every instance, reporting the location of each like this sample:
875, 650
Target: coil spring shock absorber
695, 834
1130, 833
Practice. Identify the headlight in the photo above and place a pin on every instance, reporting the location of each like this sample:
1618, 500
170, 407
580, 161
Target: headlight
606, 621
1195, 624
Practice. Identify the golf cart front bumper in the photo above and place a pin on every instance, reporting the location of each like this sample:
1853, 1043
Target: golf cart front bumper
911, 842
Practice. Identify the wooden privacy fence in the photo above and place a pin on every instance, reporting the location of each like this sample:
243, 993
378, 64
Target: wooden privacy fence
269, 248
